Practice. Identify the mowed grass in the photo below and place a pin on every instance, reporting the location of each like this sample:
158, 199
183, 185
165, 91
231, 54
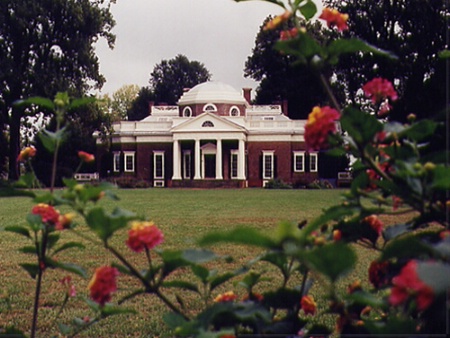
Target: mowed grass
184, 216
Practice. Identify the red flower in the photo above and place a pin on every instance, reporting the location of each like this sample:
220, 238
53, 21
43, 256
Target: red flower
378, 273
277, 21
86, 157
26, 154
408, 284
64, 221
334, 18
308, 305
288, 34
48, 214
321, 122
225, 297
337, 235
374, 223
380, 89
103, 284
144, 235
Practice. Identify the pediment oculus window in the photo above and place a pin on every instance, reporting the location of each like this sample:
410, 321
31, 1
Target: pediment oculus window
208, 124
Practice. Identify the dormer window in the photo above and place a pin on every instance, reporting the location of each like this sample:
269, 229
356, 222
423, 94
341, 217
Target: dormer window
187, 112
208, 124
209, 107
234, 111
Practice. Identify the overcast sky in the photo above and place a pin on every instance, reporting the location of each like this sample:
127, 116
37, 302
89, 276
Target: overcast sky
218, 33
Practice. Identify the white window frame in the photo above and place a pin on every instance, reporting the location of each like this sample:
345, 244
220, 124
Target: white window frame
268, 154
313, 162
126, 155
206, 107
299, 157
234, 166
235, 108
187, 112
187, 171
116, 161
155, 169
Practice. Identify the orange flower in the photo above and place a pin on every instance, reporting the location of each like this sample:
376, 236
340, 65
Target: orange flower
26, 154
355, 286
48, 214
308, 305
408, 284
337, 235
321, 122
277, 21
103, 284
86, 157
334, 18
144, 235
225, 297
288, 34
64, 221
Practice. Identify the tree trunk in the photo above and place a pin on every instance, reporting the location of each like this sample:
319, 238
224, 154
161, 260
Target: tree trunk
14, 144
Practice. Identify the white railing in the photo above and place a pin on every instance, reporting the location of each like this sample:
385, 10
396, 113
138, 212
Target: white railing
165, 110
264, 109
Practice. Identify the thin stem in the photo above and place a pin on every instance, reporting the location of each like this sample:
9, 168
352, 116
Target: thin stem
327, 87
40, 250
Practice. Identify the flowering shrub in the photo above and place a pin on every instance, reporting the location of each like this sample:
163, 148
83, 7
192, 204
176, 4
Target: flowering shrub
396, 172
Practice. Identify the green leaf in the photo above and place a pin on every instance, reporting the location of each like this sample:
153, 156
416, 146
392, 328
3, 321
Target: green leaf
174, 320
181, 285
282, 298
111, 310
122, 268
238, 236
396, 230
70, 267
32, 269
49, 139
304, 47
64, 329
441, 178
361, 126
34, 221
104, 224
201, 272
220, 279
28, 250
444, 54
408, 247
68, 245
52, 239
308, 10
419, 131
365, 298
342, 46
9, 191
198, 256
27, 180
173, 260
79, 102
333, 260
18, 230
36, 100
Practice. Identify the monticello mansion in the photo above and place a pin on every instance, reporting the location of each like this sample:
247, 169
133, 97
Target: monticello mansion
213, 137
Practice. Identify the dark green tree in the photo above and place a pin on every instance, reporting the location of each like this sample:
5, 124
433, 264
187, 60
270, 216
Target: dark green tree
140, 107
170, 77
47, 46
281, 77
416, 31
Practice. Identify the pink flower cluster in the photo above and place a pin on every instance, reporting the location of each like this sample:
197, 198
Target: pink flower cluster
144, 235
321, 122
103, 284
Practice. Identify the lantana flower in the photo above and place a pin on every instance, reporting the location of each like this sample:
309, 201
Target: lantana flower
321, 123
26, 154
103, 284
86, 157
334, 18
143, 235
308, 305
64, 221
378, 273
374, 222
289, 34
225, 297
277, 21
49, 215
408, 284
379, 89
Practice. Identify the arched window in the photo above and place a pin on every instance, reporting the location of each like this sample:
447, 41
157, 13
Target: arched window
209, 107
234, 111
208, 124
187, 112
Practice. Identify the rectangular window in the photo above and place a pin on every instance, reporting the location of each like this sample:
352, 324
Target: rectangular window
268, 162
187, 164
116, 161
129, 161
234, 164
299, 161
313, 162
158, 164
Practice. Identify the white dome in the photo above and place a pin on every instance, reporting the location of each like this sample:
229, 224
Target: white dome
212, 92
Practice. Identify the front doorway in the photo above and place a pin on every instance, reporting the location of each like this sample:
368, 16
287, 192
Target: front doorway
209, 166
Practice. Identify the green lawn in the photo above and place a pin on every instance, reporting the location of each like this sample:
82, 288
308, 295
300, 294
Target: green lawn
183, 215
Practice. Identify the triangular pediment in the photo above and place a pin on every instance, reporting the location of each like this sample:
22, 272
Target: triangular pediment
208, 122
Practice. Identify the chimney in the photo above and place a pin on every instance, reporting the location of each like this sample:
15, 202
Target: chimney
247, 95
150, 105
284, 107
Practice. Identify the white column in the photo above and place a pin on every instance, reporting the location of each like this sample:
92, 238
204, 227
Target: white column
176, 161
197, 174
241, 160
219, 160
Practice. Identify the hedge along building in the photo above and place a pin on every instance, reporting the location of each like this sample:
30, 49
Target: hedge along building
214, 137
